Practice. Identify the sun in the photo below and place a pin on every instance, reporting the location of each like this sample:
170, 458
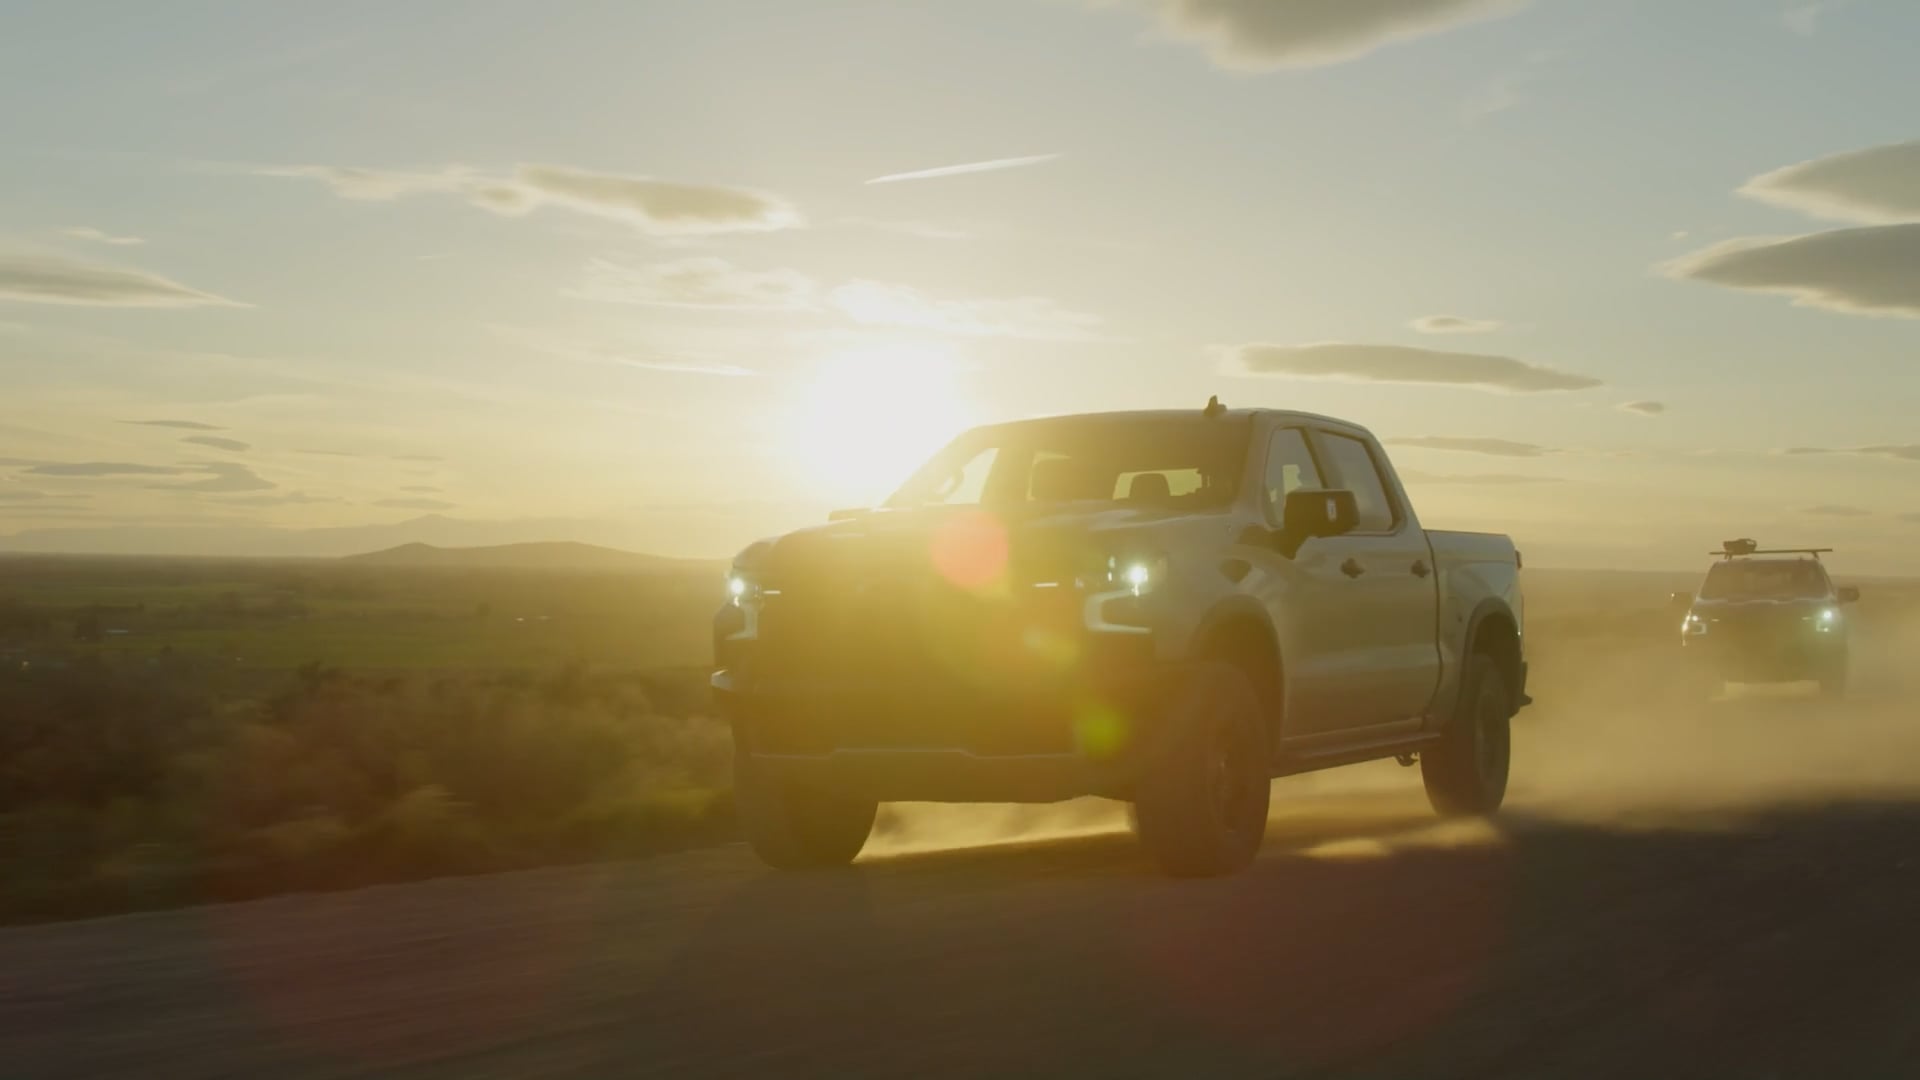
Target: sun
871, 416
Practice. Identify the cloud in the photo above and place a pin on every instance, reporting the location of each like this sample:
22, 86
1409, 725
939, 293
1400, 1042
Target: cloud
699, 283
218, 443
1832, 510
921, 229
994, 165
290, 498
21, 495
1474, 445
1866, 271
656, 207
1913, 517
1876, 186
47, 279
430, 459
1643, 408
1261, 35
89, 233
100, 468
1898, 451
1414, 476
1454, 324
184, 425
329, 453
876, 303
414, 504
1805, 19
1401, 364
421, 489
222, 476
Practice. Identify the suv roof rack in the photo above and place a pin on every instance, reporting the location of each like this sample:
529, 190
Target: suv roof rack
1733, 549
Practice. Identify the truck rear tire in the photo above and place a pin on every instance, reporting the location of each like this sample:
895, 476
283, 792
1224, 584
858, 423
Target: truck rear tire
1200, 810
1466, 773
792, 827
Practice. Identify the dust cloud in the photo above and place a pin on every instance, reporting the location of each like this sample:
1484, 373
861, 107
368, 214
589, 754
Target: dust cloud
1620, 734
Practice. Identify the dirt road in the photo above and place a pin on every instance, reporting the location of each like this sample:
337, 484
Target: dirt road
1751, 908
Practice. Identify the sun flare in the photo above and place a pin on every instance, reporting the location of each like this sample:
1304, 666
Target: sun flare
871, 416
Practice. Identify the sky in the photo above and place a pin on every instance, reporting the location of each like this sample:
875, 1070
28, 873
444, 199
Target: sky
1620, 277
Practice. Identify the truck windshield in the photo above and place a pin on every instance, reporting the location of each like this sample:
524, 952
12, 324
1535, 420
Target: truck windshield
1183, 462
1759, 579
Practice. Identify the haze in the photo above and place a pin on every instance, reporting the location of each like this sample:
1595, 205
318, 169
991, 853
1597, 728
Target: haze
1620, 279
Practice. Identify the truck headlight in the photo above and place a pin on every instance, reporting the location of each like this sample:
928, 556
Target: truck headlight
1827, 620
1693, 625
741, 589
1138, 574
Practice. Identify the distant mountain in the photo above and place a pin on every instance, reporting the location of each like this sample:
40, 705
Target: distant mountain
548, 555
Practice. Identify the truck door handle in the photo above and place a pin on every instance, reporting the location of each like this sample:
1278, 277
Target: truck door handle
1420, 568
1352, 568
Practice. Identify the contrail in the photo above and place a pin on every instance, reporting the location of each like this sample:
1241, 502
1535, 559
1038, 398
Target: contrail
970, 167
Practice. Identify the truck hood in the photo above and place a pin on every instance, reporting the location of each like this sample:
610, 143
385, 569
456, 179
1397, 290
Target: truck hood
1050, 542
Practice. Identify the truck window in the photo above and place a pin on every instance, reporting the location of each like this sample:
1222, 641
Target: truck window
1289, 467
1353, 465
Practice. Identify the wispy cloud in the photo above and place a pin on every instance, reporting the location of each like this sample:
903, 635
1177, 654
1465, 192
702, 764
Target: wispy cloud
1876, 186
97, 236
48, 279
414, 504
656, 207
1262, 35
1401, 364
100, 469
1475, 445
1643, 408
699, 283
289, 498
1897, 451
218, 443
183, 425
995, 165
1454, 324
1833, 510
1805, 19
1865, 271
222, 476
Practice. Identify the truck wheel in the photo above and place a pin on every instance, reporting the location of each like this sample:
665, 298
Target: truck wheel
1466, 773
791, 827
1200, 809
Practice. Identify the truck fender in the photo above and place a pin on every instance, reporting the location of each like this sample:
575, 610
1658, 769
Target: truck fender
1246, 628
1491, 615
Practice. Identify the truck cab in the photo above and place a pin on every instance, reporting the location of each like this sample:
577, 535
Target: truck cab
1166, 607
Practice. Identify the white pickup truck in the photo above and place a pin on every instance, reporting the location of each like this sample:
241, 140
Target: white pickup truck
1168, 607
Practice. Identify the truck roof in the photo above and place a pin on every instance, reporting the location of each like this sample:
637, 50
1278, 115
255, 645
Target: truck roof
1125, 415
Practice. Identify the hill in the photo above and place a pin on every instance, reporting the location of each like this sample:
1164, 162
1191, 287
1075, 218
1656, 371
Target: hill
547, 555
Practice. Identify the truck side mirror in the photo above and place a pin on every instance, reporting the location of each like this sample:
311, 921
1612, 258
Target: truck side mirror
1314, 513
1849, 594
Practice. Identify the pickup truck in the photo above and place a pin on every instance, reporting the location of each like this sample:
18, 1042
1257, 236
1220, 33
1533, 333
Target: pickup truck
1169, 608
1767, 616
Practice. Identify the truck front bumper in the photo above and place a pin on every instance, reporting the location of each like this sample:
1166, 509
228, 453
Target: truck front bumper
939, 737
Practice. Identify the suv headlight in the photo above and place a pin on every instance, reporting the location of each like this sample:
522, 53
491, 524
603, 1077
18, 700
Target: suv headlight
741, 589
1693, 625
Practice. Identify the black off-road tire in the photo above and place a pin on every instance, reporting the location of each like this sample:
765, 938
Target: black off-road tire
793, 827
1200, 809
1466, 772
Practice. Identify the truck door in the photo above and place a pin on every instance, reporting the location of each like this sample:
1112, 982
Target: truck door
1392, 598
1303, 595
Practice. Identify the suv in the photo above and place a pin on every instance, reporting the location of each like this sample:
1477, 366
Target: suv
1169, 608
1766, 616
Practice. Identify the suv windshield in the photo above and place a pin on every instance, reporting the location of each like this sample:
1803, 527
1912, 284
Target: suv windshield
1778, 579
1183, 462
